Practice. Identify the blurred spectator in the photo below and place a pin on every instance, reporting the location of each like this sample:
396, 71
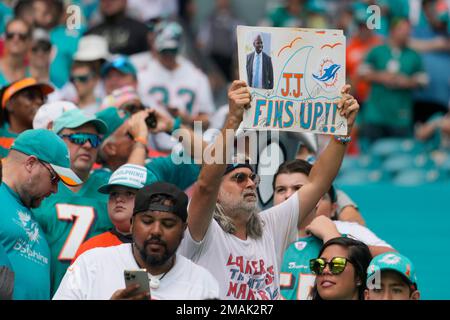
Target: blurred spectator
24, 10
394, 71
118, 73
363, 40
19, 103
93, 51
430, 37
84, 76
49, 15
144, 10
436, 131
218, 36
172, 85
17, 43
124, 35
299, 13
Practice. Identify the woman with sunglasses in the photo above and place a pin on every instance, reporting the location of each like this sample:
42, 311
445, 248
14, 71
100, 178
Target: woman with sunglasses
19, 103
340, 270
17, 45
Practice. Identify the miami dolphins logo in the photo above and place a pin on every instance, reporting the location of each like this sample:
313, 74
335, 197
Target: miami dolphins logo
328, 73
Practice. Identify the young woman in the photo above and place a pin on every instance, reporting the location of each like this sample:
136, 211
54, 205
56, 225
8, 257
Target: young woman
340, 270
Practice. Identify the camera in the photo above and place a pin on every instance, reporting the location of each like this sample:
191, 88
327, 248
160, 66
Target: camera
151, 121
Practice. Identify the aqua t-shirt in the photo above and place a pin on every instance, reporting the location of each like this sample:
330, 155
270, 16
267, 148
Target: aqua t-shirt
296, 278
65, 42
26, 248
69, 218
390, 106
6, 139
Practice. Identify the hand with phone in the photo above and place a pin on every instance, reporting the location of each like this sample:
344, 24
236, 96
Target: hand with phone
137, 286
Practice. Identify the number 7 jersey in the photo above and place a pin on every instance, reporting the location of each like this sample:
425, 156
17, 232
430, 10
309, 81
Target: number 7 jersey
70, 218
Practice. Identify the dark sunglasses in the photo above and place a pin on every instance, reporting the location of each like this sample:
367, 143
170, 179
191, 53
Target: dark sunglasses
242, 177
82, 138
83, 79
11, 35
45, 47
54, 178
336, 265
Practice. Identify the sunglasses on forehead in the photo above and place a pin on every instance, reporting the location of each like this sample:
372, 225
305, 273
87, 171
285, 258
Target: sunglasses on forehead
242, 177
82, 138
336, 265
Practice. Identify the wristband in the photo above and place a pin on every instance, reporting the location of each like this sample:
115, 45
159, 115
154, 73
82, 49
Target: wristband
176, 124
141, 140
343, 140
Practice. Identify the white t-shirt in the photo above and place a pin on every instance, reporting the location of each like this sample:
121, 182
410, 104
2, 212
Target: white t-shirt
361, 233
186, 88
247, 269
98, 273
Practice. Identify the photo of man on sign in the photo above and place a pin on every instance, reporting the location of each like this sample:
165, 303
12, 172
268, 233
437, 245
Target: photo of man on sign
259, 65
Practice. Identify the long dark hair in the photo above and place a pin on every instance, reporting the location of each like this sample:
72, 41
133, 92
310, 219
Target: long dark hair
360, 256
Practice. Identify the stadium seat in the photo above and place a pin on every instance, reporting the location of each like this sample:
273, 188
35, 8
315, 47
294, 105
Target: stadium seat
415, 177
361, 177
388, 146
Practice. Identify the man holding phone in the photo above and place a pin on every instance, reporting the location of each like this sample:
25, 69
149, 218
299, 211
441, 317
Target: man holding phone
157, 226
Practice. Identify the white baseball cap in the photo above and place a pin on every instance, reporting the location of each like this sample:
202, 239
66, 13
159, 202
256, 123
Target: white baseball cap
51, 111
92, 47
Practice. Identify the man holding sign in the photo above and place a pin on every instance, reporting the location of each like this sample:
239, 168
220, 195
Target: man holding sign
240, 246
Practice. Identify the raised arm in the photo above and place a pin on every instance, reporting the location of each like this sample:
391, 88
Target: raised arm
327, 165
204, 197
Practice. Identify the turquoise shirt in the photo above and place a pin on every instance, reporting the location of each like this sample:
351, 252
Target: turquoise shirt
65, 42
26, 248
69, 218
164, 169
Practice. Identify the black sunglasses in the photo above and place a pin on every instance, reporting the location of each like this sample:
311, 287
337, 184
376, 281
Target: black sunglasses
54, 178
336, 265
44, 47
242, 177
11, 35
82, 78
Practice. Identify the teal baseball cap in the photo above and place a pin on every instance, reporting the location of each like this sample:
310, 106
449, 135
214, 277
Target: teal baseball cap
76, 118
169, 36
394, 261
48, 147
113, 117
129, 175
121, 63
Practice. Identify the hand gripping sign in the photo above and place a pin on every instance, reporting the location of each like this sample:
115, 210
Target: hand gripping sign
295, 76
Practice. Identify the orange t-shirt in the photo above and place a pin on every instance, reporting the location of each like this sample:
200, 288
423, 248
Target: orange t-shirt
103, 240
356, 52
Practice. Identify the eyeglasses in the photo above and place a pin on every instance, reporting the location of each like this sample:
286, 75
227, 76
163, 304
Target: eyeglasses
336, 265
82, 78
11, 35
242, 177
82, 138
54, 178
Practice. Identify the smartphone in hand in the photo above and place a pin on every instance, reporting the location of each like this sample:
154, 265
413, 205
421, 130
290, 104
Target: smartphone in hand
139, 277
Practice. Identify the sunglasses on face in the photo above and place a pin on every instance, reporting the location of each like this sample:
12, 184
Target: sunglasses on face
336, 265
42, 48
21, 36
82, 138
81, 78
242, 177
54, 178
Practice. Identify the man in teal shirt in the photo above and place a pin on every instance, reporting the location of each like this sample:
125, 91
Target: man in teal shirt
394, 71
37, 161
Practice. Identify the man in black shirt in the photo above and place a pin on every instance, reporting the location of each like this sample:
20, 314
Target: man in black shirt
124, 35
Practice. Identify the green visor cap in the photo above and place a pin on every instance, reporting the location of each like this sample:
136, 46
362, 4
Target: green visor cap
393, 261
76, 118
113, 117
129, 175
48, 147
